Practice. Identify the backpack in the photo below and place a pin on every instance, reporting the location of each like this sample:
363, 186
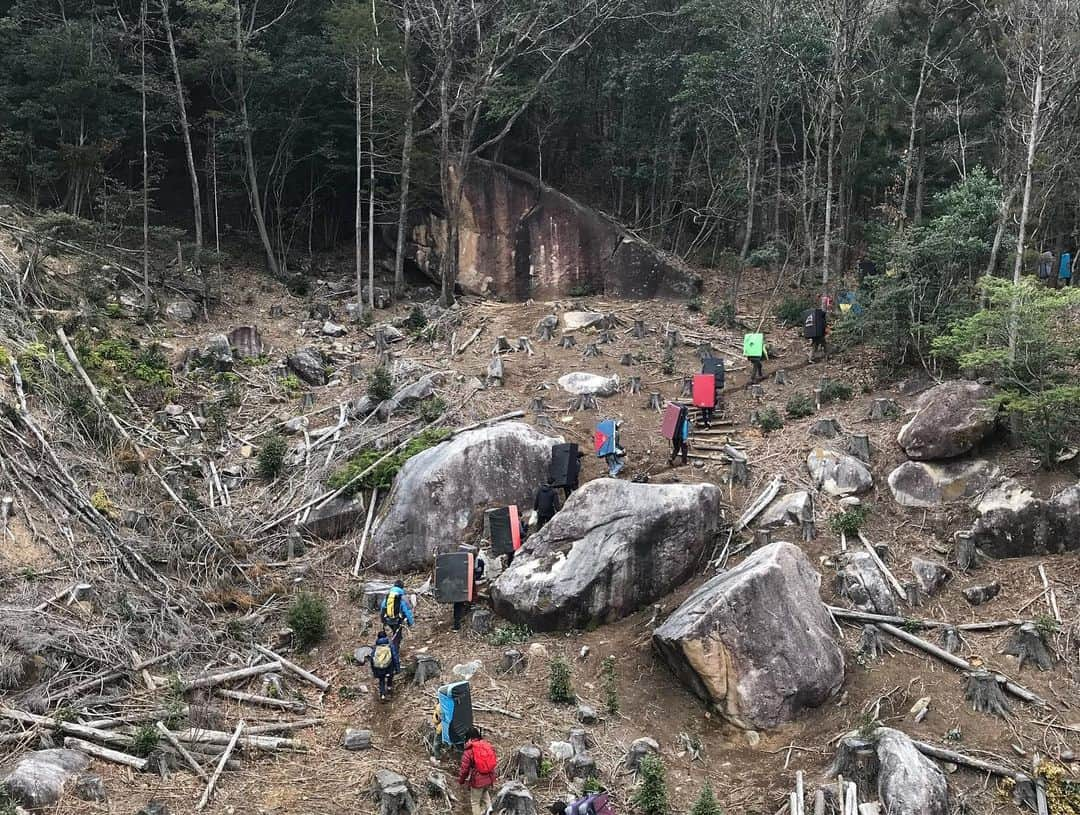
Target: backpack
393, 607
383, 657
484, 759
596, 804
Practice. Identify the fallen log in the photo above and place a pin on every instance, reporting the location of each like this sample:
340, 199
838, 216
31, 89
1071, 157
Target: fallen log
184, 754
265, 701
962, 760
758, 506
199, 807
896, 586
268, 744
105, 754
230, 676
293, 667
68, 728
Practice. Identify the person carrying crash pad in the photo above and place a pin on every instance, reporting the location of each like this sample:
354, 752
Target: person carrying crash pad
815, 328
385, 663
477, 771
546, 504
394, 612
681, 436
755, 351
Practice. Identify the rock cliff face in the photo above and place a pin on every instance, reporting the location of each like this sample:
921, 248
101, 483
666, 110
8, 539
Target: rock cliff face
521, 239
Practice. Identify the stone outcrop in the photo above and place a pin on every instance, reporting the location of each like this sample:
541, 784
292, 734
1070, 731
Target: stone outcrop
40, 778
838, 474
580, 383
442, 492
793, 509
908, 782
756, 641
861, 582
521, 239
614, 548
1012, 522
950, 420
924, 484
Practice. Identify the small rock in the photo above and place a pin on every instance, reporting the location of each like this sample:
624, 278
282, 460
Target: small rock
929, 574
272, 686
90, 787
977, 595
174, 410
219, 352
753, 738
183, 311
39, 778
247, 451
825, 428
587, 715
320, 311
538, 651
362, 654
356, 739
332, 329
294, 425
309, 365
849, 501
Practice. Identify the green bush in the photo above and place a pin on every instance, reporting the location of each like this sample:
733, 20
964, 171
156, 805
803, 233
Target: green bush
383, 474
583, 288
650, 797
144, 741
706, 804
694, 305
723, 316
834, 392
667, 364
769, 420
380, 386
849, 521
416, 319
272, 456
610, 685
309, 619
560, 690
431, 409
509, 635
791, 309
799, 406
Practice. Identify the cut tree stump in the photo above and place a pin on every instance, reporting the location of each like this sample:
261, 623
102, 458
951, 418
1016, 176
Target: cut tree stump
537, 405
627, 360
639, 330
425, 668
977, 595
393, 793
882, 409
591, 350
687, 388
502, 345
654, 402
606, 337
856, 762
986, 693
761, 538
495, 372
672, 339
964, 551
809, 531
584, 401
780, 377
524, 345
858, 445
913, 594
581, 765
567, 341
545, 329
513, 662
870, 644
705, 351
640, 748
513, 798
356, 739
1028, 644
525, 766
580, 740
634, 385
950, 639
481, 620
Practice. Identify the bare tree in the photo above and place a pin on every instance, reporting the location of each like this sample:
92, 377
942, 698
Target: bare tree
147, 298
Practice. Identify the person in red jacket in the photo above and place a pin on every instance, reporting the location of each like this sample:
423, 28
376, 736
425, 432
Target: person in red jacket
478, 771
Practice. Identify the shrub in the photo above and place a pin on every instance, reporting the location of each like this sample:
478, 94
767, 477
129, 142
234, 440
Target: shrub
272, 456
769, 420
849, 521
791, 309
144, 741
694, 305
611, 685
722, 316
650, 797
383, 474
584, 288
292, 385
834, 392
432, 409
667, 365
380, 385
799, 406
308, 618
416, 319
509, 635
559, 688
100, 501
706, 803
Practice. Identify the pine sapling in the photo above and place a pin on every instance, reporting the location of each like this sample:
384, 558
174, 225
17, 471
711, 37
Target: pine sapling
706, 804
650, 798
611, 685
560, 690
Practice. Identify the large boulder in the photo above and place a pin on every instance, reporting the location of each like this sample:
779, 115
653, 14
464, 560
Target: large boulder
908, 782
614, 547
1012, 522
522, 239
949, 420
442, 492
838, 474
40, 778
793, 509
756, 641
309, 365
923, 484
861, 582
581, 383
577, 320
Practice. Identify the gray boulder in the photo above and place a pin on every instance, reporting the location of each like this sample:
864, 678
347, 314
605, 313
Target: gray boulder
929, 574
908, 782
332, 329
423, 388
950, 419
756, 641
183, 311
442, 492
1012, 522
40, 778
792, 509
584, 384
922, 484
826, 428
861, 582
337, 519
615, 547
309, 365
838, 474
578, 320
218, 352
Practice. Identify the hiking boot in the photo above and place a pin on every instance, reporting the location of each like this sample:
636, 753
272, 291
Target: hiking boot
382, 697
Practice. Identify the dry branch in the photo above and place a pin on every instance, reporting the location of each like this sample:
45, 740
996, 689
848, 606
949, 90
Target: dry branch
220, 767
291, 666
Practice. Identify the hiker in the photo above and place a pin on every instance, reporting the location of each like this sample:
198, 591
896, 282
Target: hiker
815, 327
395, 612
478, 771
436, 733
461, 608
1065, 270
546, 504
679, 438
755, 351
597, 803
606, 443
1046, 267
573, 476
385, 663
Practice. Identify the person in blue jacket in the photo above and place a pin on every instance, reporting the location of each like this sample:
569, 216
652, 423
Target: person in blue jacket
395, 612
679, 437
385, 664
1065, 270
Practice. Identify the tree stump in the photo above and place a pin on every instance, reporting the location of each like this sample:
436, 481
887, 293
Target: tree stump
687, 389
977, 595
591, 350
513, 662
502, 345
425, 668
606, 337
638, 750
437, 787
481, 620
537, 405
705, 351
761, 536
545, 329
586, 714
580, 740
543, 421
308, 401
246, 341
584, 401
523, 344
809, 531
757, 392
567, 341
277, 310
740, 473
654, 402
881, 409
634, 385
870, 644
495, 372
667, 364
581, 765
1029, 645
913, 594
627, 360
356, 739
513, 798
393, 793
950, 639
672, 339
858, 445
964, 550
384, 359
780, 377
856, 760
986, 692
381, 343
525, 766
639, 330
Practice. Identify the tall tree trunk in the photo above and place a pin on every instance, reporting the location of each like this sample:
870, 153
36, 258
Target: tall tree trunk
371, 197
826, 252
406, 161
147, 302
779, 175
920, 183
1032, 143
913, 129
185, 131
358, 222
752, 182
214, 189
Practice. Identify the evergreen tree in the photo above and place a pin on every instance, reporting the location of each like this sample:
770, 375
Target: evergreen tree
651, 797
706, 803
